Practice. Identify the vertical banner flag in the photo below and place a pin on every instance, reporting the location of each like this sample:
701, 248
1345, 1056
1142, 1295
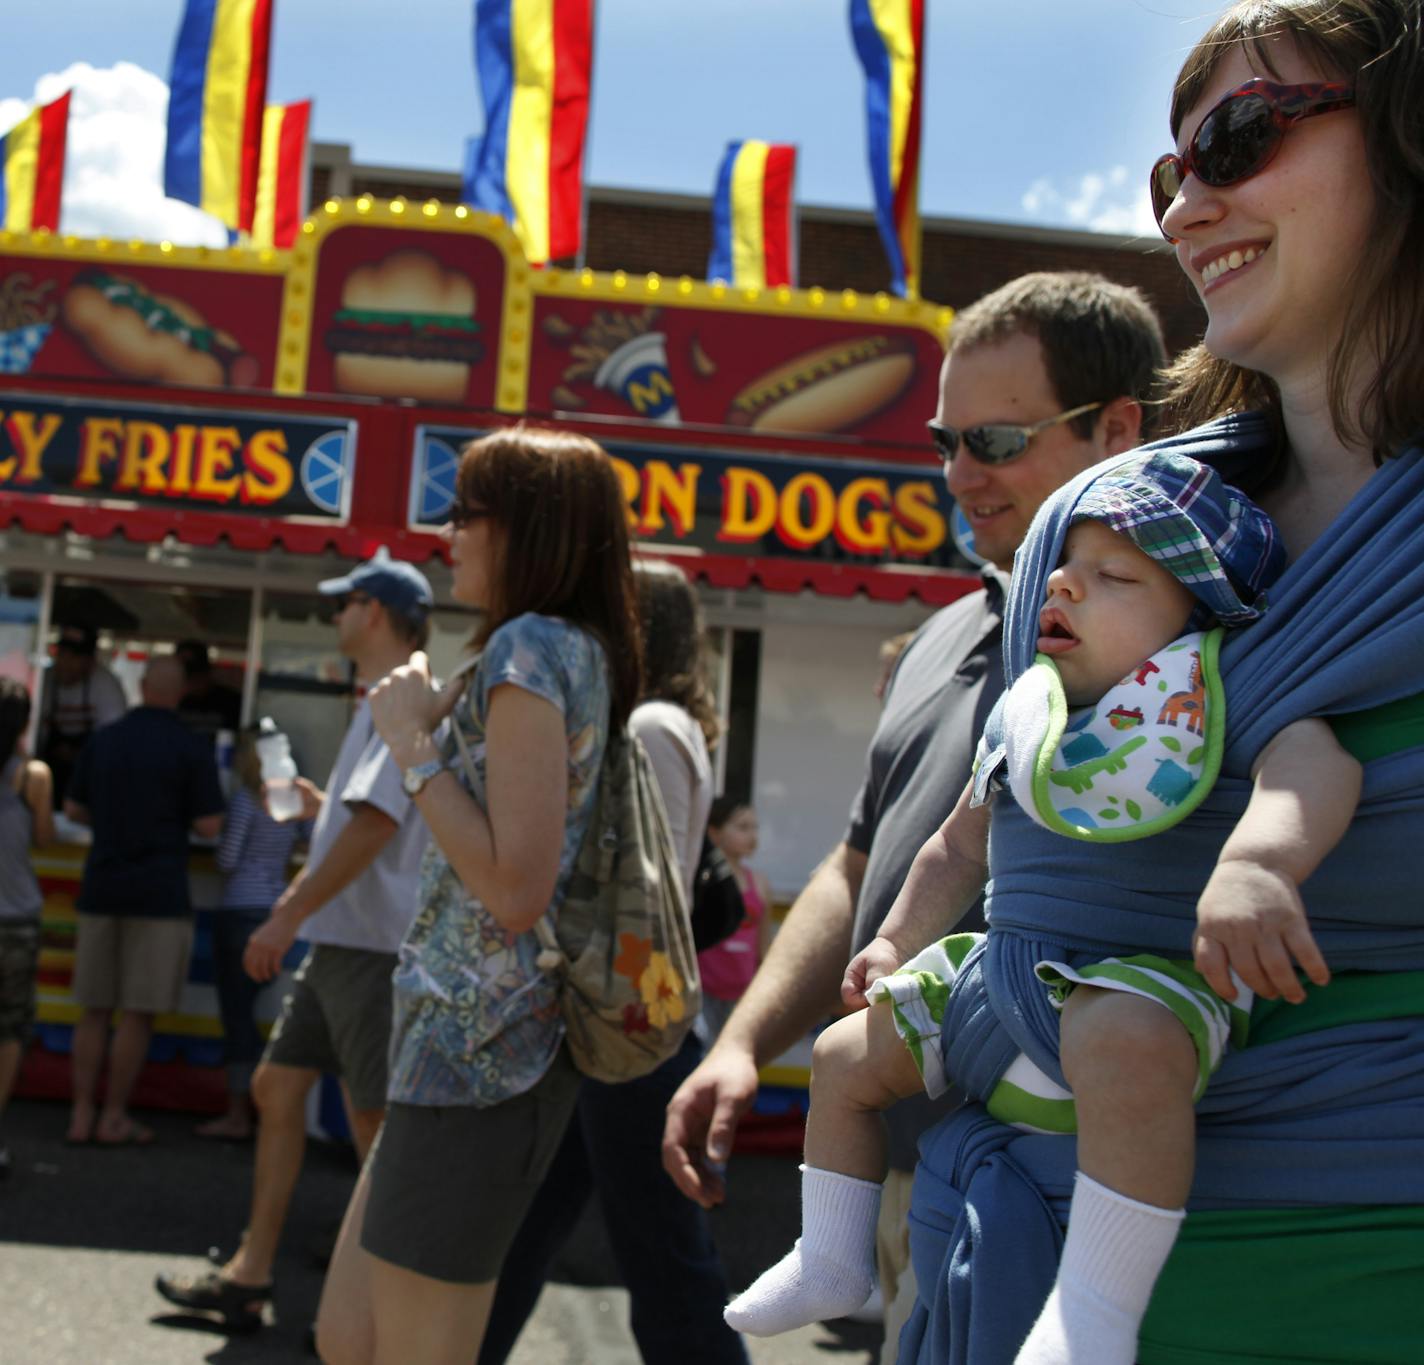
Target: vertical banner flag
32, 168
216, 98
281, 202
753, 242
535, 62
889, 39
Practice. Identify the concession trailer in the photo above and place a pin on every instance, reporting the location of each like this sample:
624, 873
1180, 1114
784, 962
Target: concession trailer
191, 439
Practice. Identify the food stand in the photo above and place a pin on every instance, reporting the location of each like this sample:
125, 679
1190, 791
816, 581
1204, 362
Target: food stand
191, 439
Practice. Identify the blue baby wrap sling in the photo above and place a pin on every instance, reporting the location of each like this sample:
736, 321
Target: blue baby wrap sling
1344, 633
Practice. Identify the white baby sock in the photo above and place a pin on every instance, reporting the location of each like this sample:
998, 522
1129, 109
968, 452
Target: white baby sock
831, 1269
1115, 1249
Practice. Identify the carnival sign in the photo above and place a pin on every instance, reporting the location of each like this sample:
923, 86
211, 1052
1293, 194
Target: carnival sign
733, 503
249, 462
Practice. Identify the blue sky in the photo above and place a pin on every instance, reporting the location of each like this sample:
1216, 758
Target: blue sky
1037, 111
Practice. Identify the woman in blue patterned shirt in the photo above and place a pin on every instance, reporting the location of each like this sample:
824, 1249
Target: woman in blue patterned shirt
481, 1087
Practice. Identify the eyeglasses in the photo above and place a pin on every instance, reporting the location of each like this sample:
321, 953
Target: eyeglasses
462, 514
999, 442
1240, 136
347, 599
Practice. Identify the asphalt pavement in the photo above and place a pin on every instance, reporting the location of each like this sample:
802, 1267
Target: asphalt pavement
84, 1230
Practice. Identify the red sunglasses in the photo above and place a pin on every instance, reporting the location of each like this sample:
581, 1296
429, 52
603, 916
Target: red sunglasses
1240, 136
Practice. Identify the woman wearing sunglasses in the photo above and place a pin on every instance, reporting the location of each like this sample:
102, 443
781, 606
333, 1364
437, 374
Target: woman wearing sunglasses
481, 1087
1295, 198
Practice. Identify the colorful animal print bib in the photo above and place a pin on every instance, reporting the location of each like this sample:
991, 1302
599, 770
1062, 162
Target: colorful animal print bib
1131, 766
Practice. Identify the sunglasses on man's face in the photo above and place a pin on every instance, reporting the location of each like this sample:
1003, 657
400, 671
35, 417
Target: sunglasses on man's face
999, 442
1240, 136
349, 599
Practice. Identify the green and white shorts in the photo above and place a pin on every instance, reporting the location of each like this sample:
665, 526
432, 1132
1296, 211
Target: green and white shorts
1025, 1096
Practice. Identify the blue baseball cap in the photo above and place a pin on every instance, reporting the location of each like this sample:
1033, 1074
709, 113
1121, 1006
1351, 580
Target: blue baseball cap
392, 582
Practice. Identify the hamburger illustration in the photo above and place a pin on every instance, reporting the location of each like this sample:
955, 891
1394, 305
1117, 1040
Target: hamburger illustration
405, 329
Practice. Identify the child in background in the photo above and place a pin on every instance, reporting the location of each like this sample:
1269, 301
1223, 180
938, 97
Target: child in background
728, 967
253, 857
26, 820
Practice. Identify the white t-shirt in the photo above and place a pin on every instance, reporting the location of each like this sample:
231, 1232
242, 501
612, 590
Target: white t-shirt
678, 752
87, 705
376, 909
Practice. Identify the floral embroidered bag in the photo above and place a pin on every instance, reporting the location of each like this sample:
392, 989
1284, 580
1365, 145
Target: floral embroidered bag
622, 941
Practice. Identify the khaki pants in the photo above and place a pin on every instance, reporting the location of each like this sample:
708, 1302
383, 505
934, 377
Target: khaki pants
892, 1258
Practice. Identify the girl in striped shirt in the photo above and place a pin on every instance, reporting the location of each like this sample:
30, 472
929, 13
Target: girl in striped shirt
253, 856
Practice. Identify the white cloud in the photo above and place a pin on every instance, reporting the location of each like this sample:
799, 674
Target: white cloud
113, 170
1102, 201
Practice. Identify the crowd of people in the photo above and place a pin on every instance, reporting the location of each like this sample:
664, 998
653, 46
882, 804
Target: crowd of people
1161, 773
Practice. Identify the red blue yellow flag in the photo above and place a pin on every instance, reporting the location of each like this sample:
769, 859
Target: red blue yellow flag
753, 241
32, 168
217, 95
889, 39
535, 62
282, 174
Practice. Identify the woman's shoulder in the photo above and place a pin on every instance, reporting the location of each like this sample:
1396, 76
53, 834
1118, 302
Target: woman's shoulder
656, 714
667, 720
534, 631
546, 654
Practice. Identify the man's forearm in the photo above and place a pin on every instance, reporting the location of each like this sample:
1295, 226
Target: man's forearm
355, 849
799, 983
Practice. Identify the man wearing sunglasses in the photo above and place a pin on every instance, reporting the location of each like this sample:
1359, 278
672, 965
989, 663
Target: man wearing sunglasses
353, 902
1044, 377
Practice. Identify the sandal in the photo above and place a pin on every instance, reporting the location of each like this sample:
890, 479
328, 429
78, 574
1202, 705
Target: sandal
239, 1305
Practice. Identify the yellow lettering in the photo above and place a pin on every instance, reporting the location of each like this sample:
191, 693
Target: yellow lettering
180, 474
919, 525
802, 532
98, 444
269, 472
650, 395
748, 505
146, 447
870, 534
630, 483
673, 491
216, 447
29, 442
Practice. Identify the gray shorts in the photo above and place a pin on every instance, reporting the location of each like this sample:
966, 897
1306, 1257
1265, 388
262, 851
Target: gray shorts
19, 956
451, 1186
131, 962
338, 1019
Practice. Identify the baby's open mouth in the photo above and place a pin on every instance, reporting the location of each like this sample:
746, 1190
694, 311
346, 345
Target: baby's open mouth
1054, 633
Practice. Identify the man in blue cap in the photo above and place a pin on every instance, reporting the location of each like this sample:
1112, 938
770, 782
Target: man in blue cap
352, 902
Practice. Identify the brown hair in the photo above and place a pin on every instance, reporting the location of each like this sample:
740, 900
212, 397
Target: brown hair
1376, 44
14, 717
246, 764
673, 668
1101, 340
562, 547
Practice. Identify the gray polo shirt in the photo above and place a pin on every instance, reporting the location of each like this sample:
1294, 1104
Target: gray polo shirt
376, 909
940, 695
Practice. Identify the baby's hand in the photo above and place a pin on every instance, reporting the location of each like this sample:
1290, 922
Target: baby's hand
878, 958
1251, 920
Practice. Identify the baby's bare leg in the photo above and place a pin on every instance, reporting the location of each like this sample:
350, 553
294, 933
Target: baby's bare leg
859, 1067
1132, 1068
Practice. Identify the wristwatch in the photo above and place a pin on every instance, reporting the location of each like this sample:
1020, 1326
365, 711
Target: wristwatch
416, 776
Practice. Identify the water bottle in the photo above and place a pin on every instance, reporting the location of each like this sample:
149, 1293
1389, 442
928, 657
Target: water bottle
224, 745
279, 772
